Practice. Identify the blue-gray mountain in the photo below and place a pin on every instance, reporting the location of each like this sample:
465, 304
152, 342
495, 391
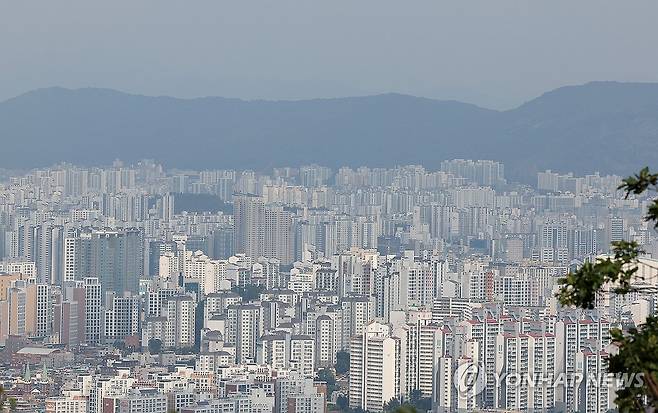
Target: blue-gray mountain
601, 126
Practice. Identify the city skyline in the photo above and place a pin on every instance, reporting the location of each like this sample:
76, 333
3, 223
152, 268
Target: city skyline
318, 288
340, 206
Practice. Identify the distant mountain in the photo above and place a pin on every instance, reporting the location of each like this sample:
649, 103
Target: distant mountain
601, 126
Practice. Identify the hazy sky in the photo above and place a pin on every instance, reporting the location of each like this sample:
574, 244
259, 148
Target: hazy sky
496, 53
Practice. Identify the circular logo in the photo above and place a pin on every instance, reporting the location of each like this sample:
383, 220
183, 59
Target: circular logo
469, 379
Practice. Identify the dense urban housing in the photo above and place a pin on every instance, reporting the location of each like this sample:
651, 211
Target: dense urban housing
131, 288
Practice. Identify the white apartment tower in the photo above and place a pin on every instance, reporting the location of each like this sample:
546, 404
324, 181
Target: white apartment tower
423, 348
180, 314
593, 394
302, 354
244, 328
571, 336
374, 368
93, 311
528, 356
39, 296
325, 340
210, 273
169, 266
122, 317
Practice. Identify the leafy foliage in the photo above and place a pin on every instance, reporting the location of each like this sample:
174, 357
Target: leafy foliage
639, 183
155, 346
652, 213
395, 406
637, 354
421, 403
392, 405
342, 362
414, 404
328, 376
342, 402
406, 408
581, 287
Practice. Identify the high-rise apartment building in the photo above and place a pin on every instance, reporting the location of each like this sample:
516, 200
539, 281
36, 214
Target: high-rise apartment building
93, 316
528, 356
180, 313
374, 368
244, 328
616, 229
299, 394
482, 172
40, 309
422, 346
122, 317
114, 257
594, 392
573, 335
278, 234
262, 230
209, 273
66, 323
249, 219
302, 357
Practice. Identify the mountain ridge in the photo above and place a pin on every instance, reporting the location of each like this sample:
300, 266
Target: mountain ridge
110, 91
610, 127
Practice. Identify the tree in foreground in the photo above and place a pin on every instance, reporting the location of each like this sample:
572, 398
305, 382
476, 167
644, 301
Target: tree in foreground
618, 274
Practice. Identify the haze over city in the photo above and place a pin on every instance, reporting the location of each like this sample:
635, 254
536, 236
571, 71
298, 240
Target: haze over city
340, 206
497, 54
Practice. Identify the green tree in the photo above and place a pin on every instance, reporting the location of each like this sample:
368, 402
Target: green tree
342, 362
155, 346
342, 402
3, 397
417, 400
415, 396
12, 404
392, 405
406, 408
618, 274
327, 376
